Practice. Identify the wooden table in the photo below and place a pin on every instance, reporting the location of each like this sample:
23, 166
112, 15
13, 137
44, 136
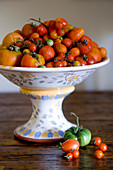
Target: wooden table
95, 110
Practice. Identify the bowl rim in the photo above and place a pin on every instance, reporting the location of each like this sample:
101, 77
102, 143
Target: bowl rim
56, 69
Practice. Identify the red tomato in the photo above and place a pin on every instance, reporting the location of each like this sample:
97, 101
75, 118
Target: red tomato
63, 21
50, 64
70, 57
27, 30
90, 60
82, 62
99, 154
85, 48
60, 32
27, 42
69, 156
75, 51
58, 24
67, 42
58, 64
97, 141
103, 147
64, 63
75, 153
96, 54
41, 29
76, 34
47, 52
19, 44
60, 48
29, 61
70, 144
85, 39
32, 47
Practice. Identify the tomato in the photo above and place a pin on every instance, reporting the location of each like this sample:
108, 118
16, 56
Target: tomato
52, 24
82, 62
34, 35
103, 147
63, 21
19, 44
27, 30
58, 24
67, 28
96, 54
75, 51
60, 48
64, 63
94, 44
85, 39
99, 154
90, 60
37, 40
70, 144
27, 42
82, 135
53, 35
58, 64
41, 29
103, 52
29, 61
75, 153
46, 37
67, 42
50, 42
47, 52
50, 64
84, 47
69, 156
60, 32
76, 63
70, 57
97, 141
32, 47
76, 34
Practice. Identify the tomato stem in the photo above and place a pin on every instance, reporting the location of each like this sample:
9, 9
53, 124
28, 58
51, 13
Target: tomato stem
39, 22
77, 118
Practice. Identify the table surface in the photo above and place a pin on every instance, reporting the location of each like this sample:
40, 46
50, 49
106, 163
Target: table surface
95, 110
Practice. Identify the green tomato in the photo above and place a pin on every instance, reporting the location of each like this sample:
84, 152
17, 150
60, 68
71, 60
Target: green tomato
69, 135
50, 42
84, 137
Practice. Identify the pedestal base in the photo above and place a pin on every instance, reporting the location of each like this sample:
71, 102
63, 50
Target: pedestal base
47, 123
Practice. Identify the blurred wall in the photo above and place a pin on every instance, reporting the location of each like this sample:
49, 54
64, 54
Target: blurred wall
95, 16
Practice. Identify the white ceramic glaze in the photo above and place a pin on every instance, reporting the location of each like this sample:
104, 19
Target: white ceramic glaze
46, 88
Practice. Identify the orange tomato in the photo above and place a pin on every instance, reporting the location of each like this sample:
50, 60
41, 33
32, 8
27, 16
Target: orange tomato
11, 38
76, 34
75, 51
47, 52
70, 144
67, 42
103, 52
9, 58
50, 64
63, 21
27, 30
34, 35
94, 44
96, 54
60, 48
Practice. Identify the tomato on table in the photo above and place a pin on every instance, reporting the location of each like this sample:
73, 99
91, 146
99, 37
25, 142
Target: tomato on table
97, 141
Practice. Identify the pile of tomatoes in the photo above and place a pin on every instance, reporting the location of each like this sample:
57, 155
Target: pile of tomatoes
54, 43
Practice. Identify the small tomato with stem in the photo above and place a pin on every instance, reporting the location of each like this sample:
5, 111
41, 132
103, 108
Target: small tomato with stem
99, 154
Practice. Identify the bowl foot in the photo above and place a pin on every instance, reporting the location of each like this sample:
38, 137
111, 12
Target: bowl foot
47, 123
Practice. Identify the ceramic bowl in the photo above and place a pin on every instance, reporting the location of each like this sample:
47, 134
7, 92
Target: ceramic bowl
47, 88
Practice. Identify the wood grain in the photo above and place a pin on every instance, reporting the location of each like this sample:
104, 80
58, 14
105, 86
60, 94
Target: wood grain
95, 110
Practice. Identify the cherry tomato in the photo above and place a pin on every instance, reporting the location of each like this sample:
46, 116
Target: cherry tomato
70, 144
85, 39
75, 153
69, 156
97, 141
90, 60
96, 54
38, 40
60, 48
82, 62
58, 24
99, 154
63, 21
67, 42
52, 24
58, 64
70, 57
85, 48
32, 47
53, 35
41, 29
103, 147
50, 42
75, 51
27, 42
34, 35
50, 64
67, 28
29, 61
76, 34
47, 52
60, 32
19, 44
46, 37
64, 63
103, 52
76, 63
